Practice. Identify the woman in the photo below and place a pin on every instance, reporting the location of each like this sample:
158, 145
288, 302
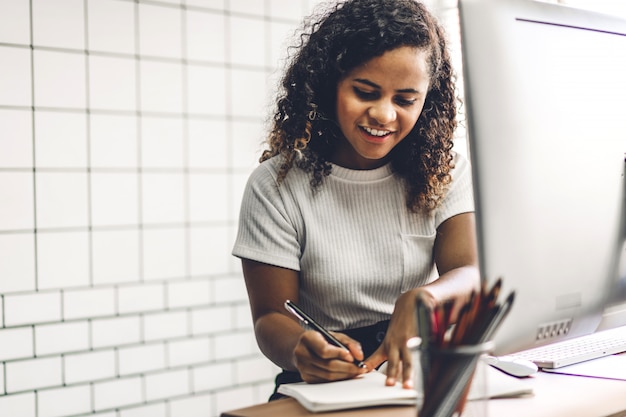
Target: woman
359, 197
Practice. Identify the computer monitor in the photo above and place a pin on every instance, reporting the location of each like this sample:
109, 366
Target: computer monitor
545, 90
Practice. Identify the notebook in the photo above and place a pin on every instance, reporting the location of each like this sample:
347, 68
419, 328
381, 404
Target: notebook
366, 390
369, 390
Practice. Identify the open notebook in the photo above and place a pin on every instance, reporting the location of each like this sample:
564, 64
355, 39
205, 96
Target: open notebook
369, 390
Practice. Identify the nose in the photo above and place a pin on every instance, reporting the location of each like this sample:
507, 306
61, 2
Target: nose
383, 112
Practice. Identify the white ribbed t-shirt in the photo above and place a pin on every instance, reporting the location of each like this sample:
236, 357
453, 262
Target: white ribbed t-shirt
354, 242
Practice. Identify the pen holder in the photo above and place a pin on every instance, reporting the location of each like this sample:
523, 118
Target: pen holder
446, 378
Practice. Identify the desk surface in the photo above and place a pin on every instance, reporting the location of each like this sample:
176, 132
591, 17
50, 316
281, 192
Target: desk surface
555, 395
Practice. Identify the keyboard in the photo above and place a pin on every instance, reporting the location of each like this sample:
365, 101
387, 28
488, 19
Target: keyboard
580, 349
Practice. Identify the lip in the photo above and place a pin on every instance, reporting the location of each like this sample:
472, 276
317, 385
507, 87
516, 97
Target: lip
375, 139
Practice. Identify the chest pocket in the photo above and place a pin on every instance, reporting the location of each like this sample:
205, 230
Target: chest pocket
417, 251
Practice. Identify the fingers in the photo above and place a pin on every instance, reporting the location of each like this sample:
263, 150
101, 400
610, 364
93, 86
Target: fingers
376, 359
318, 361
407, 373
393, 367
353, 346
400, 371
399, 366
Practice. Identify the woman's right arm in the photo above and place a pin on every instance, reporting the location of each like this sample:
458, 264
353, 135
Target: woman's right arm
282, 339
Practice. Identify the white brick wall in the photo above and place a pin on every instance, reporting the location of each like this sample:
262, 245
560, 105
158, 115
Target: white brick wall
89, 366
121, 172
16, 343
143, 358
31, 374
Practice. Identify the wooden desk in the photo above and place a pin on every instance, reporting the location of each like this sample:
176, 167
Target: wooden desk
554, 395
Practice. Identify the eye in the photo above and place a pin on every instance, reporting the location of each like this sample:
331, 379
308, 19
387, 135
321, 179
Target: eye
405, 102
365, 95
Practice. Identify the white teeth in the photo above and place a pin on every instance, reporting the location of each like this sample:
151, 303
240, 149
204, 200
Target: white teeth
376, 132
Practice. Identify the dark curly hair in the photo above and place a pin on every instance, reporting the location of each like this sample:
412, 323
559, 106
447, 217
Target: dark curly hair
304, 130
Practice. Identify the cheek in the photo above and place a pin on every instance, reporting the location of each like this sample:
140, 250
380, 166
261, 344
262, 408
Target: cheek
410, 120
416, 115
347, 111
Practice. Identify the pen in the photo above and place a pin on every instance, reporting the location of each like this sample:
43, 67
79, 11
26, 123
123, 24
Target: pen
306, 319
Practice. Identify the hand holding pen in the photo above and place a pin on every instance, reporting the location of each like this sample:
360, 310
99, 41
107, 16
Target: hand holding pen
308, 321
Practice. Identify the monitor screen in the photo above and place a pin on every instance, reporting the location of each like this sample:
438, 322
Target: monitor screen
545, 89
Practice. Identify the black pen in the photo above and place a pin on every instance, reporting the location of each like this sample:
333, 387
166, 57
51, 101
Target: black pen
306, 319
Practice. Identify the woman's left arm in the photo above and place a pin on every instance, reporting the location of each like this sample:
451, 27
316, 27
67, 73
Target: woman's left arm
456, 258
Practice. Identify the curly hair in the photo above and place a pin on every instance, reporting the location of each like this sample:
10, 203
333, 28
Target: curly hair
351, 33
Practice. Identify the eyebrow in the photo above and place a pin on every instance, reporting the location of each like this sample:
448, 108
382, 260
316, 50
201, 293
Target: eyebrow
374, 85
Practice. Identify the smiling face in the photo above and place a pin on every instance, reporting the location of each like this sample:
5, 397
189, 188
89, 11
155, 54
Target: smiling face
378, 103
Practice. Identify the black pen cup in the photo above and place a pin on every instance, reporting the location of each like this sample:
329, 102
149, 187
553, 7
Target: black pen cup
450, 381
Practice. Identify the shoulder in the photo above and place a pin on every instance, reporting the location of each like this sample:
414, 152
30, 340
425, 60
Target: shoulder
266, 169
264, 181
270, 168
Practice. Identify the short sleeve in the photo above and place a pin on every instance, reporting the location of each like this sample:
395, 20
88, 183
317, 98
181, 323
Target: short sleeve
266, 233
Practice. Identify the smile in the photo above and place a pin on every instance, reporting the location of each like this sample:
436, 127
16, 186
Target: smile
376, 132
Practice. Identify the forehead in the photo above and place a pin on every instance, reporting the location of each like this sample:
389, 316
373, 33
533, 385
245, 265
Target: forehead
400, 68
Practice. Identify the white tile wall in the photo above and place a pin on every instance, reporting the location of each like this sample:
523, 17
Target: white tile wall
61, 338
191, 407
160, 31
20, 405
138, 298
60, 139
207, 145
144, 358
59, 79
62, 199
247, 35
58, 23
155, 410
204, 207
117, 393
161, 86
188, 293
15, 80
117, 331
114, 198
167, 384
236, 398
163, 253
113, 141
30, 308
16, 140
202, 31
129, 128
161, 145
33, 374
16, 211
62, 260
102, 35
16, 22
64, 401
163, 197
89, 366
87, 303
206, 90
114, 256
112, 83
167, 325
16, 343
204, 376
189, 351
